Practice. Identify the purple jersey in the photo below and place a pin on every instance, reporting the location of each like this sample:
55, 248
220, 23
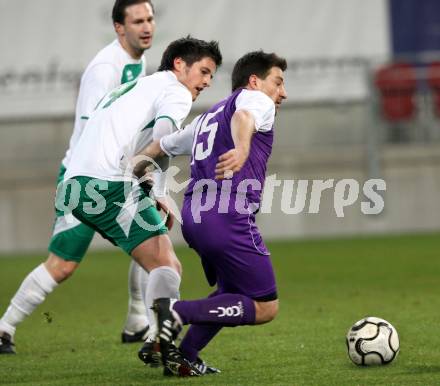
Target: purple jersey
213, 137
227, 239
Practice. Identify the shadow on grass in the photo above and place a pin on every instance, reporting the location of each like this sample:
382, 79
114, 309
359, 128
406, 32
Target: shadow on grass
422, 369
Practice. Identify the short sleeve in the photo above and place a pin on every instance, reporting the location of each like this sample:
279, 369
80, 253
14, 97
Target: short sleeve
180, 142
174, 103
96, 82
259, 105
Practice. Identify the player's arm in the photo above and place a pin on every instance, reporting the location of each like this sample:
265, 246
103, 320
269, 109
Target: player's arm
171, 109
177, 143
171, 145
164, 144
242, 130
152, 151
255, 112
155, 179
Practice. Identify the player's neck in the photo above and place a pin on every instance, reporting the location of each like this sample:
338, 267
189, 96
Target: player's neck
135, 54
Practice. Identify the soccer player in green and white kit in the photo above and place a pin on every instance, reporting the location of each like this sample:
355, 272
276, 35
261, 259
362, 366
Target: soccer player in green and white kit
99, 186
119, 62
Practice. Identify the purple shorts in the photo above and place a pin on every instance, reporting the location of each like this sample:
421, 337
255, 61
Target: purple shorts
232, 251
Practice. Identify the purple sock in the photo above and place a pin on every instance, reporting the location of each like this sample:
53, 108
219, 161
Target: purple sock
197, 337
224, 310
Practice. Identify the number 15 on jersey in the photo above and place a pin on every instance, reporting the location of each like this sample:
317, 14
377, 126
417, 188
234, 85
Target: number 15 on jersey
205, 132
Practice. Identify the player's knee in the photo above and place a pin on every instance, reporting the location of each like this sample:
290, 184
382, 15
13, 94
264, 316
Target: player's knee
266, 311
271, 311
157, 252
60, 269
274, 311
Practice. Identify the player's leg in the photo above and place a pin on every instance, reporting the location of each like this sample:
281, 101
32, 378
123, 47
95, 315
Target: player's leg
157, 256
32, 292
266, 311
199, 335
69, 242
251, 296
130, 220
207, 317
227, 309
241, 266
66, 250
197, 338
136, 323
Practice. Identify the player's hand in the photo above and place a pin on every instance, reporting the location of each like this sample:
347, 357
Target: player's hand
147, 184
161, 204
230, 162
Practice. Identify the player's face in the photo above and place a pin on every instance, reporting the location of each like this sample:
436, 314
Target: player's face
138, 29
273, 86
196, 77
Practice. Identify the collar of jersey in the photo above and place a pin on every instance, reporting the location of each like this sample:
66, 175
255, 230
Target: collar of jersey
127, 55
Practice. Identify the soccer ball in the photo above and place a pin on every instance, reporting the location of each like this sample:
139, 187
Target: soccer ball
372, 341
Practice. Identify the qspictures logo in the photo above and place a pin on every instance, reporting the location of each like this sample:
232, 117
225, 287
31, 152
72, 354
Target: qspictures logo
221, 196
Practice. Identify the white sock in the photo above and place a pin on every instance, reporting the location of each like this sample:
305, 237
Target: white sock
163, 282
32, 292
137, 315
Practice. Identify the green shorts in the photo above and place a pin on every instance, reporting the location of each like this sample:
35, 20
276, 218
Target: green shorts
120, 211
70, 238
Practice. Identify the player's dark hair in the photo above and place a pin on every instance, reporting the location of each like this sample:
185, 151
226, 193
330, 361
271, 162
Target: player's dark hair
256, 63
190, 50
118, 12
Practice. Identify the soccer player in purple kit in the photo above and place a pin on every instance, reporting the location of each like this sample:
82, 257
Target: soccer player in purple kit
231, 144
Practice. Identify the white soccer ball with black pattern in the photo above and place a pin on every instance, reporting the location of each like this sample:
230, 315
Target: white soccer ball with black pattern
372, 341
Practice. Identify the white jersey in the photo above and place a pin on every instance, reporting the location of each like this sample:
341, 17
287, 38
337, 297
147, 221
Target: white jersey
255, 102
111, 67
123, 123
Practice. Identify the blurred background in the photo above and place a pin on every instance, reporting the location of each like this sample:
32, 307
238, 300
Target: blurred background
364, 102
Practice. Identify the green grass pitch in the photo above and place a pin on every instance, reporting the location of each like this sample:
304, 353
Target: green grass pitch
324, 287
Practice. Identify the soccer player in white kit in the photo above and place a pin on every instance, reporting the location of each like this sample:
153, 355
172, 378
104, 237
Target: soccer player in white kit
119, 62
100, 188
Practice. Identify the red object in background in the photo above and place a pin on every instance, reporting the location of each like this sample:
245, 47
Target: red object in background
433, 75
397, 86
